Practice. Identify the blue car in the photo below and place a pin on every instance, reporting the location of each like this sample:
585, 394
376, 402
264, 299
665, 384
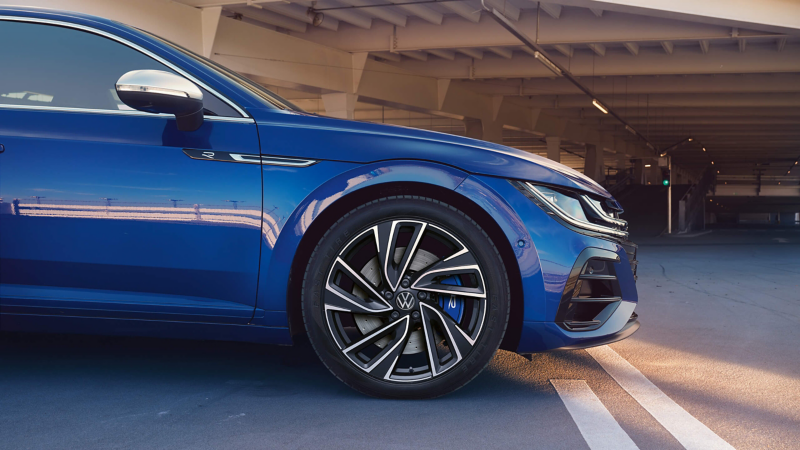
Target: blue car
148, 191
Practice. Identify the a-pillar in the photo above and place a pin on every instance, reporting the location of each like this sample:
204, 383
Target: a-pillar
594, 167
553, 148
340, 105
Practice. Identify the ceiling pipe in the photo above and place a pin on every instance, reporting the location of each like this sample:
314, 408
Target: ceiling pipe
558, 69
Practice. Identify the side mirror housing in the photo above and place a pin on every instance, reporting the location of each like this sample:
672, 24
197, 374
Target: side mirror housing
157, 91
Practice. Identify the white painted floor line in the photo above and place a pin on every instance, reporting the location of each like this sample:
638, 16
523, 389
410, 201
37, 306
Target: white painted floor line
596, 424
690, 432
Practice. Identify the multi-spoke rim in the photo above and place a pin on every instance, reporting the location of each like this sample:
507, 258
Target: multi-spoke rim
405, 300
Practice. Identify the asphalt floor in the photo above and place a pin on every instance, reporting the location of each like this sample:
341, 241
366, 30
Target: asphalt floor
720, 316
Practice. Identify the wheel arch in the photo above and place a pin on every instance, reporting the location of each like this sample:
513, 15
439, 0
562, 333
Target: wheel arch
394, 188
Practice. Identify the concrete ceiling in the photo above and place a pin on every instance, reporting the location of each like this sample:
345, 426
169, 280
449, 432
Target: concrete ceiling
725, 73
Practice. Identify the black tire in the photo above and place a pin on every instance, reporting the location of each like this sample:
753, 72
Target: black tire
457, 317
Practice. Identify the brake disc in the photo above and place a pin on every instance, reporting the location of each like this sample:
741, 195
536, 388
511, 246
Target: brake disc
372, 273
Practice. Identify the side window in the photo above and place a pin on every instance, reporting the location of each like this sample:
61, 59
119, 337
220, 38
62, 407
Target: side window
48, 65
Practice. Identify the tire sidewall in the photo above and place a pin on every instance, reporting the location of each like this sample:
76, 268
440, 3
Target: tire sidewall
431, 211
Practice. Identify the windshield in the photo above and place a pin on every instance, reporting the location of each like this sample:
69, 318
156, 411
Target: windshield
273, 99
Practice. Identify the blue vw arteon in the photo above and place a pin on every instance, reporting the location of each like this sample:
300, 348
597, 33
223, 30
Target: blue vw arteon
149, 191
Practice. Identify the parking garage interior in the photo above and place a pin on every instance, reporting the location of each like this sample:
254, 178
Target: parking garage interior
692, 122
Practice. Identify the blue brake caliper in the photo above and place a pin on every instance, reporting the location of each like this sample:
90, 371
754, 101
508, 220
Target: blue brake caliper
452, 304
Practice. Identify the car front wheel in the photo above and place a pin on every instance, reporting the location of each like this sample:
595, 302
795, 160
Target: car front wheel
405, 297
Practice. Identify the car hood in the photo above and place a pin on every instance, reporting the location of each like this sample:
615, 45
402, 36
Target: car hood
364, 142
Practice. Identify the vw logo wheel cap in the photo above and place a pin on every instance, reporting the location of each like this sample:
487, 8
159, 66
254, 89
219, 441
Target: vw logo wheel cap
405, 300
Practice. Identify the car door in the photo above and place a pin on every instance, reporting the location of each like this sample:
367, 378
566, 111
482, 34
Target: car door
110, 212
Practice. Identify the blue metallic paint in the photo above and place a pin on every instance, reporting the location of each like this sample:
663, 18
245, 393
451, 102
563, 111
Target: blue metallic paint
365, 142
73, 247
304, 194
199, 280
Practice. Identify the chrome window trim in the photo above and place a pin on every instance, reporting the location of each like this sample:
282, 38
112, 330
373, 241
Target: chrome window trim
571, 220
125, 42
122, 112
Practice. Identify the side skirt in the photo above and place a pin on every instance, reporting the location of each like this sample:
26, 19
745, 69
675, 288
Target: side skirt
145, 328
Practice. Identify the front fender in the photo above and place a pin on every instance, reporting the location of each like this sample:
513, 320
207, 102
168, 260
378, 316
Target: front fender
295, 197
488, 193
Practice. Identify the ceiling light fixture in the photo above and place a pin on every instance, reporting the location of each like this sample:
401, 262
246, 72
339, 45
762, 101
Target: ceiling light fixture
690, 139
549, 64
704, 149
540, 54
712, 163
647, 165
599, 106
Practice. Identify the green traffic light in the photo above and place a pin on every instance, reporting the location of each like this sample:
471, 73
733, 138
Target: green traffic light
665, 182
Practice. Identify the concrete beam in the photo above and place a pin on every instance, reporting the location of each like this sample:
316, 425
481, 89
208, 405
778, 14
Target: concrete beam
464, 10
471, 52
501, 51
769, 15
507, 8
419, 56
552, 9
444, 54
423, 13
287, 61
632, 47
269, 17
672, 100
564, 49
577, 28
253, 50
389, 56
385, 14
684, 61
353, 17
300, 13
614, 86
598, 49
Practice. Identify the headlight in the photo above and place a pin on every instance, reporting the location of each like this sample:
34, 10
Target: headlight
576, 209
567, 204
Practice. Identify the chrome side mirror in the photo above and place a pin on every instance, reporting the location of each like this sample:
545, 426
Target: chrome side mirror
163, 92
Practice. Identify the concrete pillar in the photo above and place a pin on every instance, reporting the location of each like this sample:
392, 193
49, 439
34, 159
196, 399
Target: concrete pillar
594, 168
638, 171
553, 148
484, 129
622, 160
474, 128
492, 131
340, 105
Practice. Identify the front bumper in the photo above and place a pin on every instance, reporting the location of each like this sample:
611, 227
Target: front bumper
547, 253
596, 307
631, 327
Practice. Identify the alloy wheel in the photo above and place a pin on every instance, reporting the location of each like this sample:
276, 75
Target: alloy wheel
405, 300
